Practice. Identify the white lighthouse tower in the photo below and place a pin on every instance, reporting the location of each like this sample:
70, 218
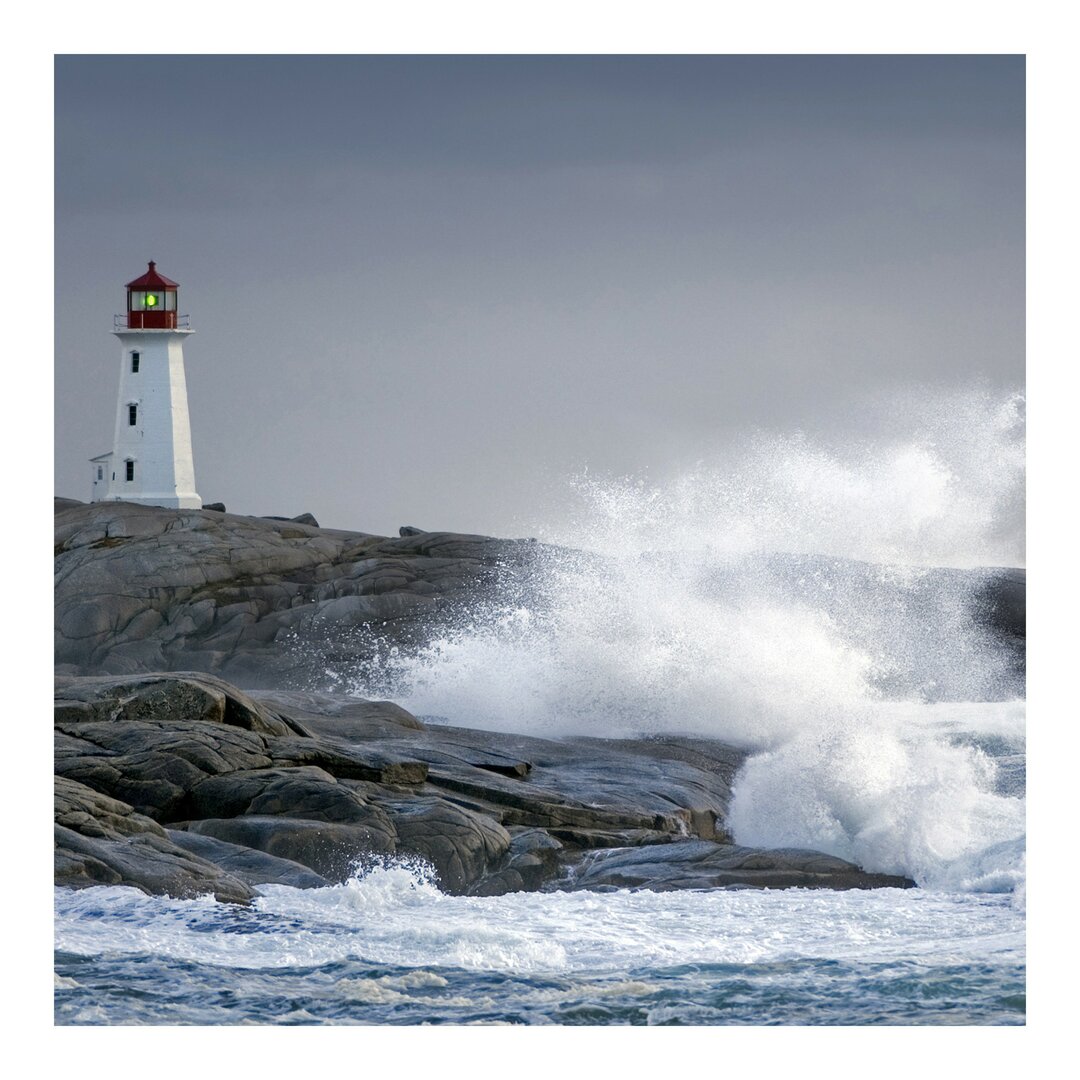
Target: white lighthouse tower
150, 462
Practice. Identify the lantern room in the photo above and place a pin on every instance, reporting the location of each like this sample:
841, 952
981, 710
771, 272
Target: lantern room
151, 301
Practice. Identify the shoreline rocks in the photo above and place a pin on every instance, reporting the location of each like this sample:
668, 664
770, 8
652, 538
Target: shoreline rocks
182, 784
260, 601
172, 779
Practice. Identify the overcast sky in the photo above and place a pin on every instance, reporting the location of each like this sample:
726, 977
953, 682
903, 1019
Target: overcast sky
427, 288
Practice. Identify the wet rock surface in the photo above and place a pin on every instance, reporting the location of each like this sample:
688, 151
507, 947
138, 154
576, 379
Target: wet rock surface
184, 785
700, 865
102, 841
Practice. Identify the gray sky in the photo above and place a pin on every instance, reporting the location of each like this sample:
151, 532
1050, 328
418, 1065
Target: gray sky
427, 288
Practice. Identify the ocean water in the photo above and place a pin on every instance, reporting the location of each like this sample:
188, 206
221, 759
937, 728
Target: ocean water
389, 948
782, 600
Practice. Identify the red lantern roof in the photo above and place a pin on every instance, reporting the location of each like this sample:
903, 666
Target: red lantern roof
151, 280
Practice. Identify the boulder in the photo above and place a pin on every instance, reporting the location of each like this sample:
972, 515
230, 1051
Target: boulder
161, 698
335, 852
340, 717
531, 861
460, 844
102, 841
153, 766
251, 866
304, 792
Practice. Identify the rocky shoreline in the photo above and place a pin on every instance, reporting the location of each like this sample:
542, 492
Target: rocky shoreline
185, 785
171, 779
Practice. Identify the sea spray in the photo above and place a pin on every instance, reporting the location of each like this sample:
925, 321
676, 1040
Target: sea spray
888, 796
783, 599
939, 483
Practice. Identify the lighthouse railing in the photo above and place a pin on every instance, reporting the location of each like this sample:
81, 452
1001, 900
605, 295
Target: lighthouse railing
120, 322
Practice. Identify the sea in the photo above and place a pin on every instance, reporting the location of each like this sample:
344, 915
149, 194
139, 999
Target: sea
788, 599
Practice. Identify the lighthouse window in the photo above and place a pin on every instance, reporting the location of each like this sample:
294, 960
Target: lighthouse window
130, 474
135, 363
144, 300
100, 474
133, 415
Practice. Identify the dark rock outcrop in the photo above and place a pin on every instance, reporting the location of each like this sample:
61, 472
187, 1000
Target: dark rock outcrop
333, 851
264, 601
102, 841
249, 865
191, 753
182, 784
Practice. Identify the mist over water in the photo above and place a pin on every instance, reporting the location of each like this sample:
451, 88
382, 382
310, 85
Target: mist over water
921, 480
783, 598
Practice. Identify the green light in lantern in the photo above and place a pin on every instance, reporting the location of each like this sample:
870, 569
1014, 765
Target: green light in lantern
151, 299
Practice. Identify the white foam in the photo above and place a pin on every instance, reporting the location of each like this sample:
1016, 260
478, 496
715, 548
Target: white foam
392, 918
888, 796
678, 626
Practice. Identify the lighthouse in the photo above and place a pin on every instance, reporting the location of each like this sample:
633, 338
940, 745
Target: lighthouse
151, 461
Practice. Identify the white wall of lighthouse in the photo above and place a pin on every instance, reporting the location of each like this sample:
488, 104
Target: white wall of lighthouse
152, 460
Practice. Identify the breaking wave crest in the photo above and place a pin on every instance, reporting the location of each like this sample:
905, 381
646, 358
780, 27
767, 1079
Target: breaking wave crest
806, 602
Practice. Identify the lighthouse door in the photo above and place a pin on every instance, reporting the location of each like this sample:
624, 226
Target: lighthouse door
99, 481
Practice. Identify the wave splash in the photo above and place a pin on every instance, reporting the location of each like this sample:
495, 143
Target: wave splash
393, 917
785, 600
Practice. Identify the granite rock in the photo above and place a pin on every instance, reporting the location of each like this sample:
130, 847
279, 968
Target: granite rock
182, 784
